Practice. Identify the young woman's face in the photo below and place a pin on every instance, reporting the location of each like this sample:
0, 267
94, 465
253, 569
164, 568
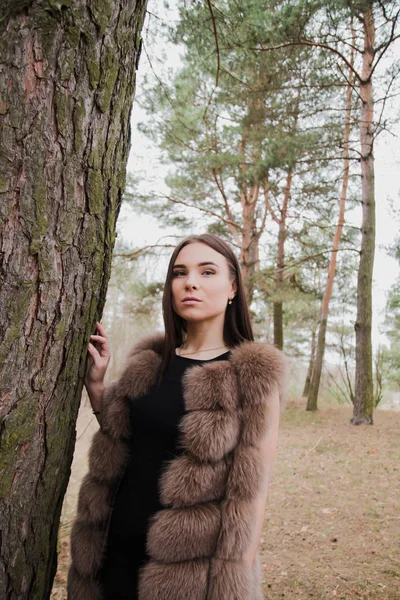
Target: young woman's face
202, 283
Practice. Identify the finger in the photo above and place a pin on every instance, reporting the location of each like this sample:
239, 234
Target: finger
96, 355
104, 349
99, 338
92, 350
101, 329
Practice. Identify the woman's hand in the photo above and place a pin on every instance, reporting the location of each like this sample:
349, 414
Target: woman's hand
99, 358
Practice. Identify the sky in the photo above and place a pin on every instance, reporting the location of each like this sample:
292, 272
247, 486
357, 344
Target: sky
142, 230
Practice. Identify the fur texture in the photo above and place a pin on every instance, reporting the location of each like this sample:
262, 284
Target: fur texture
196, 542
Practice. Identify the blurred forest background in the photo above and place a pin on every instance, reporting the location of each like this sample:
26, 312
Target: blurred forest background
259, 121
245, 133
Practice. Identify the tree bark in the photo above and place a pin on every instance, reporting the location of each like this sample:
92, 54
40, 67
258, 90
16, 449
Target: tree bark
249, 256
312, 401
66, 89
310, 364
363, 394
280, 255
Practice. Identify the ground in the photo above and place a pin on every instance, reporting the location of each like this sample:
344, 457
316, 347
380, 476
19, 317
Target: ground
332, 525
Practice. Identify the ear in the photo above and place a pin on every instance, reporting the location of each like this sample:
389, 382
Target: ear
234, 286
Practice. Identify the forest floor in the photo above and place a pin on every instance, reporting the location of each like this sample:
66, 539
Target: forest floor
332, 525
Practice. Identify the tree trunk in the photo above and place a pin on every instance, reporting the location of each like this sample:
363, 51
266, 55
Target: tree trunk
280, 255
310, 364
317, 366
364, 394
249, 247
312, 402
66, 89
278, 324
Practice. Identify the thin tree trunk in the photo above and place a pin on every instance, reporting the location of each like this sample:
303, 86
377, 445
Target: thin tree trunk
312, 401
310, 364
249, 247
66, 89
280, 258
363, 393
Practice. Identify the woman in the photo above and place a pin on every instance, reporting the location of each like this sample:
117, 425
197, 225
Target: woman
173, 505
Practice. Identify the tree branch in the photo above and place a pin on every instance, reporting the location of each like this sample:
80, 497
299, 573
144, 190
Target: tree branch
228, 211
210, 8
205, 210
314, 45
135, 254
268, 207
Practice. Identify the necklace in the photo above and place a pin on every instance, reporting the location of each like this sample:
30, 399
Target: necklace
198, 351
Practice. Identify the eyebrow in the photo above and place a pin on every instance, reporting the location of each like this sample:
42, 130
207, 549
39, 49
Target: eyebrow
201, 264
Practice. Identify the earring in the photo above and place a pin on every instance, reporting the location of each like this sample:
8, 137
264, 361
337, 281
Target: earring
230, 302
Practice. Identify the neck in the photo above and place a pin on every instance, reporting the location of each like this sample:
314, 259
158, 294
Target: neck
203, 336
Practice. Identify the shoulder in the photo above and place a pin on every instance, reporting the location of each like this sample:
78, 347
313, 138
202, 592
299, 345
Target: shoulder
261, 368
259, 360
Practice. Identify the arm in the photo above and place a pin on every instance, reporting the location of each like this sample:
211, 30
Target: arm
99, 358
95, 393
268, 451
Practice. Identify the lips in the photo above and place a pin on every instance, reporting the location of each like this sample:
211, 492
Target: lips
190, 299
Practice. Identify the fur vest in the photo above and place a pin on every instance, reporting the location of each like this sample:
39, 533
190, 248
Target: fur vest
196, 542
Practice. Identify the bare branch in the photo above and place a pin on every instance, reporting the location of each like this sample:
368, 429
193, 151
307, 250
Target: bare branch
318, 254
268, 207
377, 127
204, 210
314, 45
141, 251
228, 211
349, 83
210, 8
165, 92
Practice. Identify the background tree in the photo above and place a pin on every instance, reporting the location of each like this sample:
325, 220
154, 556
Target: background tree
378, 30
315, 369
66, 89
251, 140
391, 327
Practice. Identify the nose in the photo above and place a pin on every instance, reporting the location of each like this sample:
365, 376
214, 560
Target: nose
191, 283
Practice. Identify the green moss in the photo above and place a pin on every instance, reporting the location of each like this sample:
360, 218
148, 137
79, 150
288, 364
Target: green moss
95, 188
67, 226
60, 330
64, 108
44, 22
4, 183
56, 430
19, 428
95, 160
59, 4
67, 56
81, 21
89, 242
108, 77
78, 116
16, 313
101, 12
94, 71
39, 194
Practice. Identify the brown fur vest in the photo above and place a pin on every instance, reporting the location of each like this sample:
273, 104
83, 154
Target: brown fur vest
196, 542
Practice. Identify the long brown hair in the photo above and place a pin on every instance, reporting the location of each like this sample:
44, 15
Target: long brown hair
237, 324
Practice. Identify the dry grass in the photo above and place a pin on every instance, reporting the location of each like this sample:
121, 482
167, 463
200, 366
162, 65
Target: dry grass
332, 527
333, 520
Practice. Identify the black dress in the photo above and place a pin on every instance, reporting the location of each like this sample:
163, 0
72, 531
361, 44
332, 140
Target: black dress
154, 425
